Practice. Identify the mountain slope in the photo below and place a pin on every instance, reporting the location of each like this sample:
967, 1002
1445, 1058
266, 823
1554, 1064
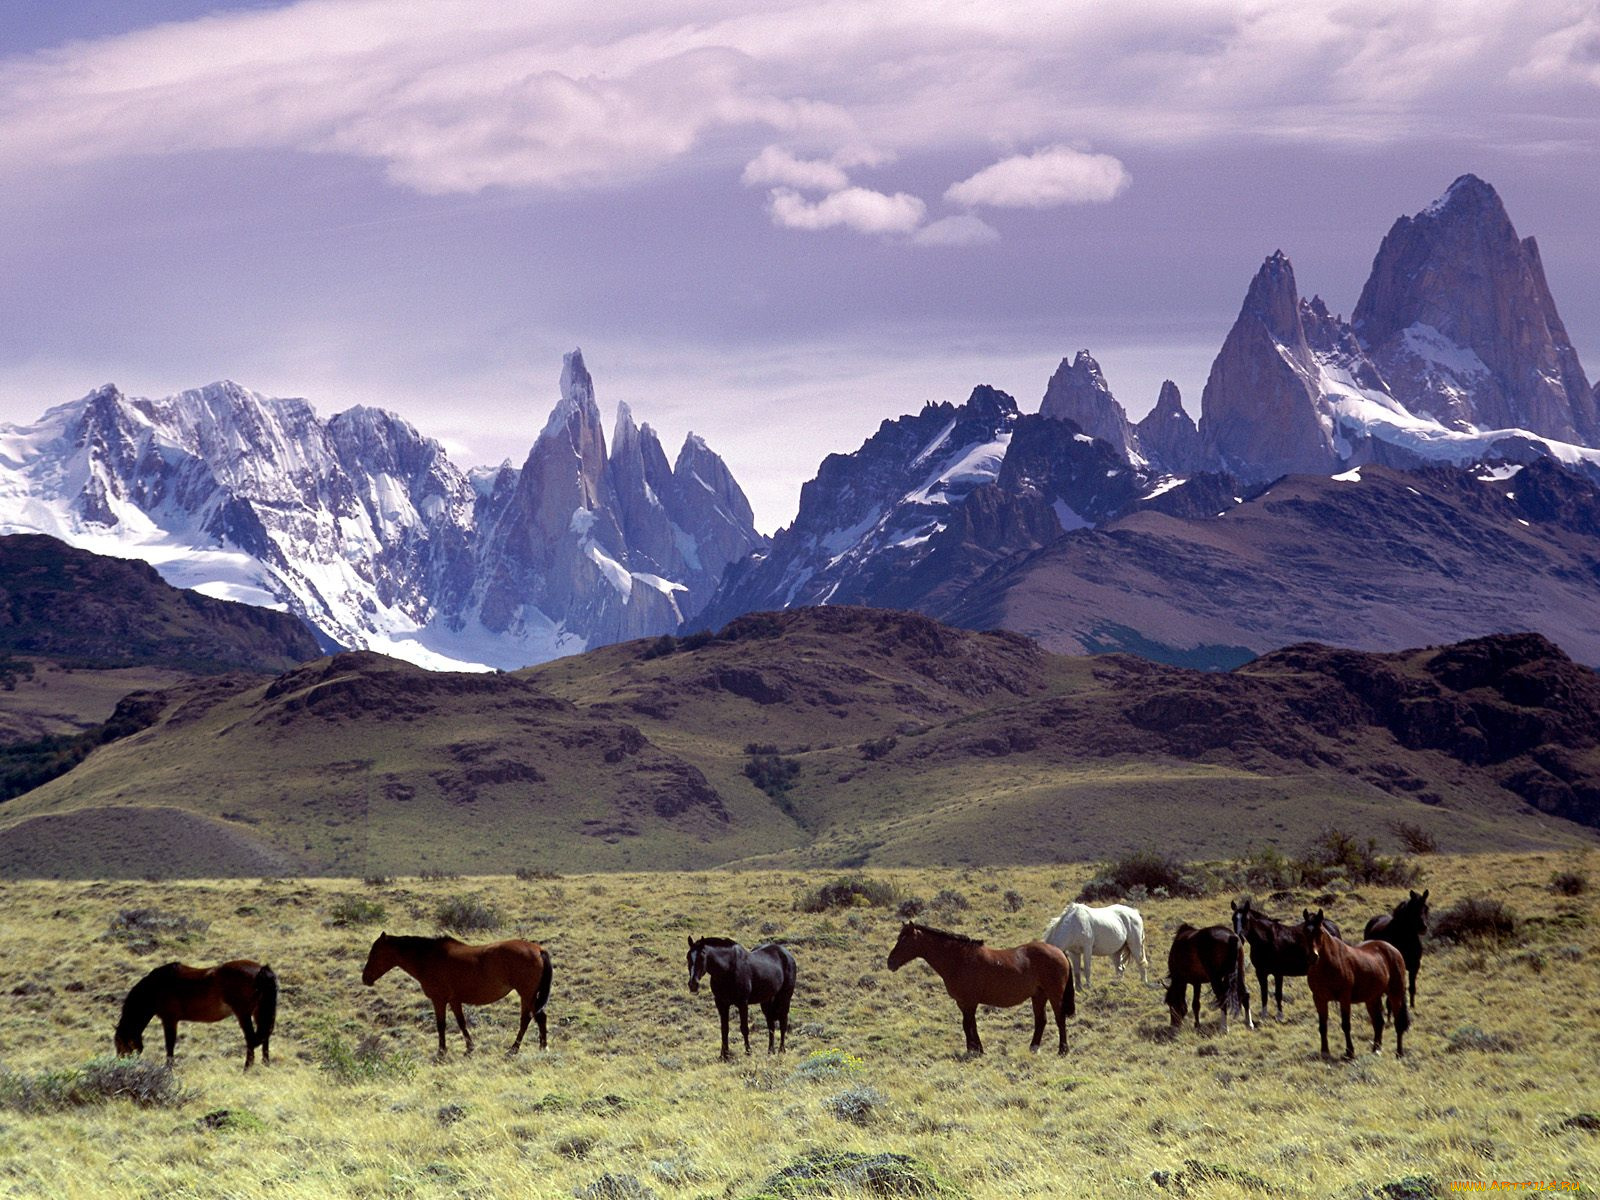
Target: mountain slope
909, 742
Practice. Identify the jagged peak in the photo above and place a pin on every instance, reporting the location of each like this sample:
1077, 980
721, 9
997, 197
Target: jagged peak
1170, 402
1274, 298
577, 395
1467, 192
625, 428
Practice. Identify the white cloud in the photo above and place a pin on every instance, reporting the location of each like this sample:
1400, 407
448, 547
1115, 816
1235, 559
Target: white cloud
777, 165
963, 229
1047, 178
460, 95
857, 208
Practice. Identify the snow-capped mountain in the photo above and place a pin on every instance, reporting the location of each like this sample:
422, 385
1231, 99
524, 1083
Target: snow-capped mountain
365, 529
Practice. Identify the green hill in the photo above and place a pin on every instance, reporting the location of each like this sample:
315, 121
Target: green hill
833, 736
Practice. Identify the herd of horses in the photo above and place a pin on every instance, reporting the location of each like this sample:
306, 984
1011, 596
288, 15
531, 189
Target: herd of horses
1374, 972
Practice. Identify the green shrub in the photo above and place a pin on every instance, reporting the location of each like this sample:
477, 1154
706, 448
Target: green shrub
1148, 869
1414, 838
1569, 883
772, 773
875, 748
366, 1060
355, 910
142, 930
1476, 919
146, 1082
467, 914
1334, 854
849, 891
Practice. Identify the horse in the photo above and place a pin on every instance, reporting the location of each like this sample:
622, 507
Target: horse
1369, 974
453, 973
1213, 955
764, 976
1276, 949
1403, 929
1115, 932
974, 974
177, 992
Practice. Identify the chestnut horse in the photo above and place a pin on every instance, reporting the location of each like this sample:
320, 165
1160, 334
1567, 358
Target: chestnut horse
764, 976
1276, 949
974, 974
1403, 929
1366, 974
453, 973
176, 992
1213, 955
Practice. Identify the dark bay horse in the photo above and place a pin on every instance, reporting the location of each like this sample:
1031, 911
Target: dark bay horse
741, 977
1403, 929
1213, 955
974, 974
1276, 949
453, 973
176, 992
1366, 974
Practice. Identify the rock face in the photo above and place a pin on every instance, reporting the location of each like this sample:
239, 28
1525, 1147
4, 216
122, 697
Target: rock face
1260, 410
1168, 435
367, 531
1458, 317
1078, 392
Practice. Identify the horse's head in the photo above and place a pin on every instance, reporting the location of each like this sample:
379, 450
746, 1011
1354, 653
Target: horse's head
906, 948
1241, 915
129, 1041
1413, 910
697, 963
1311, 926
1177, 1001
381, 959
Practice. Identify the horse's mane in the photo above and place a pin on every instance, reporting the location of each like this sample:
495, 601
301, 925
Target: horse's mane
947, 935
718, 941
138, 1008
1185, 928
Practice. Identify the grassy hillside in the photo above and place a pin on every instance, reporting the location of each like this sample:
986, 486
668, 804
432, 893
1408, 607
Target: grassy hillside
829, 737
1497, 1083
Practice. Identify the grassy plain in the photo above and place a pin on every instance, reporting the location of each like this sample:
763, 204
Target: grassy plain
1503, 1050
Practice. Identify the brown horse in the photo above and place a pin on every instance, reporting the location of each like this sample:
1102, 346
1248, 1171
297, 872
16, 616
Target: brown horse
1365, 974
974, 974
1213, 955
176, 992
453, 973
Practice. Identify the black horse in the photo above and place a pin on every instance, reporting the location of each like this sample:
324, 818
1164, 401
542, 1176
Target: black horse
1403, 929
1213, 955
763, 976
1276, 949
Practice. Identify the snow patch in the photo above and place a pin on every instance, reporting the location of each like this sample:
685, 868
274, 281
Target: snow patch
1353, 475
1068, 516
1165, 486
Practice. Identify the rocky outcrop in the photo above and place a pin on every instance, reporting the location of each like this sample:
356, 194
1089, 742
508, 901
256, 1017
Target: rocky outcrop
1260, 412
1078, 392
1168, 435
1458, 317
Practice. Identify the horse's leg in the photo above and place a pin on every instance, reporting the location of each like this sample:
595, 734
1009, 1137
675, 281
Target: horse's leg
1375, 1011
527, 1015
461, 1020
1088, 967
969, 1025
1322, 1024
169, 1028
1059, 1003
772, 1025
249, 1038
1038, 1021
744, 1025
783, 1026
1344, 1024
438, 1019
1412, 972
1261, 978
1197, 1007
722, 1011
1277, 985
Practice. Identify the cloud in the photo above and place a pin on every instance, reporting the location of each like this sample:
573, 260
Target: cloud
961, 230
1047, 178
462, 95
857, 208
777, 165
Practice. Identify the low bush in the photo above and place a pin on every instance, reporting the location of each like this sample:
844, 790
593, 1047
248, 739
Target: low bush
145, 1082
355, 910
536, 874
1569, 883
848, 891
772, 773
1414, 838
1157, 873
858, 1105
467, 914
1335, 854
366, 1060
142, 930
875, 748
1470, 1037
1476, 919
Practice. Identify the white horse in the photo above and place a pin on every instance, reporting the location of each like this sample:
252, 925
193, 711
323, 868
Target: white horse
1115, 932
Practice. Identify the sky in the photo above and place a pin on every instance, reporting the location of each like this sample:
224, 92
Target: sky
776, 224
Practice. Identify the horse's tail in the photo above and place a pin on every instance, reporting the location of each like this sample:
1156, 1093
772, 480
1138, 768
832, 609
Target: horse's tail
1136, 950
1399, 1011
542, 997
1069, 1001
266, 1003
1232, 996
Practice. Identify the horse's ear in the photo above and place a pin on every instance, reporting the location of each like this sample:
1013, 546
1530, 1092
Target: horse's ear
691, 943
1319, 915
1425, 892
1233, 906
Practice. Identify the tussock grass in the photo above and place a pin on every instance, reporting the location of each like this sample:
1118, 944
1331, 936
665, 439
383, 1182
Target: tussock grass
1500, 1057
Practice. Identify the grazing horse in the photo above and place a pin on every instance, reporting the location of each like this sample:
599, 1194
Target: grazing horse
1366, 974
763, 976
1403, 929
1115, 932
453, 973
176, 992
1213, 955
974, 974
1276, 949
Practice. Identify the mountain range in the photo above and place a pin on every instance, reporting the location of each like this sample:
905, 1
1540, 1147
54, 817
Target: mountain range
1426, 470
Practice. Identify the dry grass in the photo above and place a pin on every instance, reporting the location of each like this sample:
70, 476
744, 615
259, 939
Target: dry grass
631, 1085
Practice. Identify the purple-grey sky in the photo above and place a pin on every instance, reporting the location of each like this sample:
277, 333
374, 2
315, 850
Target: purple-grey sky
775, 223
